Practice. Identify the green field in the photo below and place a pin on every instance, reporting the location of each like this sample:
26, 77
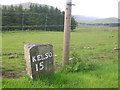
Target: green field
95, 44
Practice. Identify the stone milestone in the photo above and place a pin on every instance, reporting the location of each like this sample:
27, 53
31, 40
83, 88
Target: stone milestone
39, 59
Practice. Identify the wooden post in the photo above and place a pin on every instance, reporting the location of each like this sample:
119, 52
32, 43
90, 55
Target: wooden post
67, 30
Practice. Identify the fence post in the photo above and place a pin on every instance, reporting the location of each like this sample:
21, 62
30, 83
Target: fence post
46, 17
22, 21
67, 30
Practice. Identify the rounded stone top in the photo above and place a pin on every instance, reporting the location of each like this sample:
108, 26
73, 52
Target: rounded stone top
30, 45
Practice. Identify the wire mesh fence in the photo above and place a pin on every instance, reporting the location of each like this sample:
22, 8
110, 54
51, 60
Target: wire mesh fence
32, 21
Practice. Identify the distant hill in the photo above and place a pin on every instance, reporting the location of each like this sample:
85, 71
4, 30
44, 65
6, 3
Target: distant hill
92, 20
81, 18
27, 4
106, 20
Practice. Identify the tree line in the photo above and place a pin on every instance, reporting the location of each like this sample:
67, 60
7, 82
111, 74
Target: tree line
35, 17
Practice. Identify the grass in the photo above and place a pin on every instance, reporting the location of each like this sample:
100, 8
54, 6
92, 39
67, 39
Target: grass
102, 78
93, 44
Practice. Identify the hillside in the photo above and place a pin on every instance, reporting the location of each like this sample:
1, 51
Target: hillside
106, 20
82, 18
27, 4
93, 20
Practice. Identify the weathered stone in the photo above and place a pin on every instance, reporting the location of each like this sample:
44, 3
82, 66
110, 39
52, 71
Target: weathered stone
11, 56
115, 48
39, 59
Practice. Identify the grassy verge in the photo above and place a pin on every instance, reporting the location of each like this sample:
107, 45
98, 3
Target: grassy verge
100, 78
95, 45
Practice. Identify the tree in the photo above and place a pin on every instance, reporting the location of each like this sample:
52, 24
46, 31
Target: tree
73, 23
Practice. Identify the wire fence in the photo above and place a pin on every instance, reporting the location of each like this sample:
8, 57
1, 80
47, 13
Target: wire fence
32, 21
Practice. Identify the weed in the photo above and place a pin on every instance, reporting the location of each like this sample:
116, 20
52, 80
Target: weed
78, 63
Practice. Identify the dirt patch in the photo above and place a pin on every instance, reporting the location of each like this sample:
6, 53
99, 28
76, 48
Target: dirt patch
10, 74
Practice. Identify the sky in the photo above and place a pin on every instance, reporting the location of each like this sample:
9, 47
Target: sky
92, 8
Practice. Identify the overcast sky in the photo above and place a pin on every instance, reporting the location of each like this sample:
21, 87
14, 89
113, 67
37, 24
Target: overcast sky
94, 8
